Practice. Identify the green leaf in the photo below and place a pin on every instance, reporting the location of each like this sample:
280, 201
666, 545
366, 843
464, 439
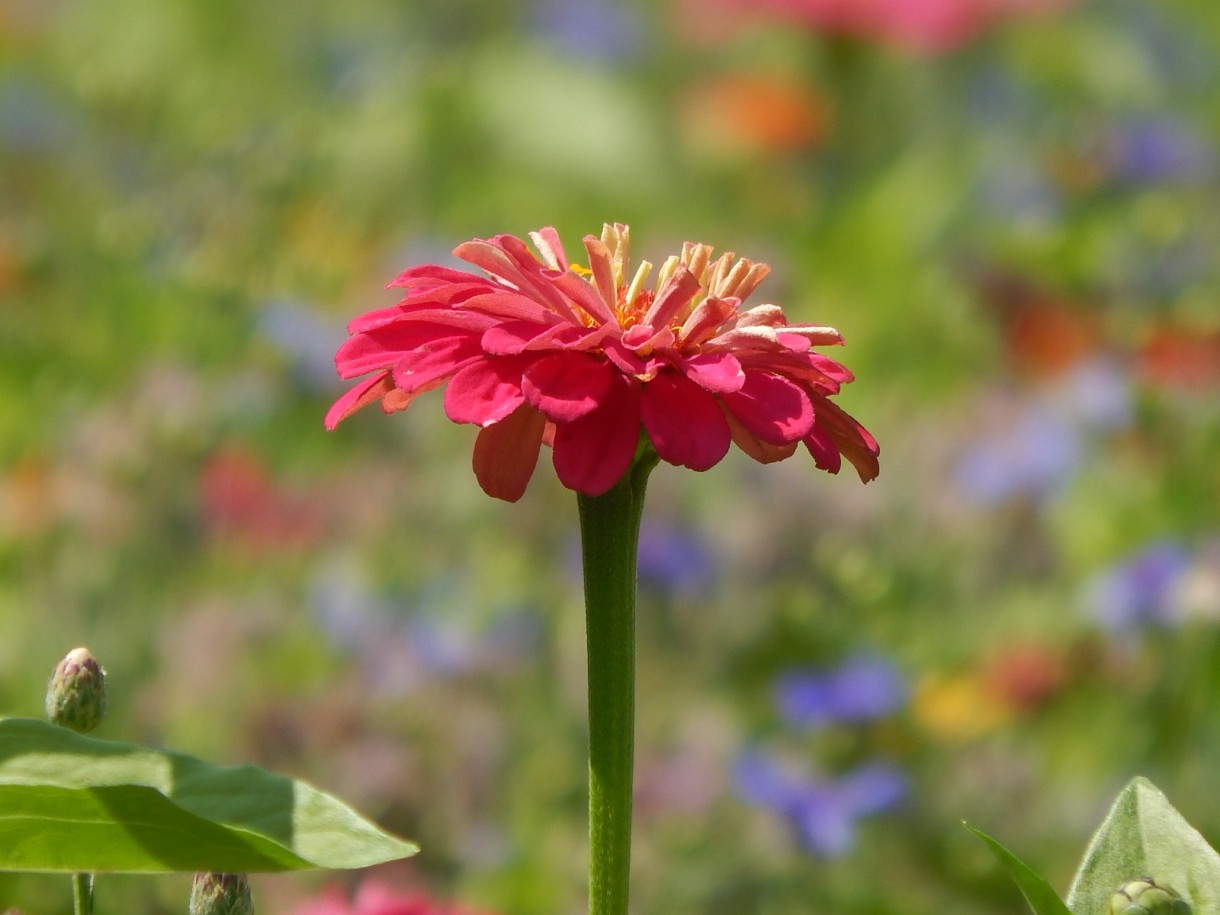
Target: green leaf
70, 803
1143, 835
1038, 893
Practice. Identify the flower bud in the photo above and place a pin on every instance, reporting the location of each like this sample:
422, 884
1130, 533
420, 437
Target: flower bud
221, 894
76, 695
1145, 896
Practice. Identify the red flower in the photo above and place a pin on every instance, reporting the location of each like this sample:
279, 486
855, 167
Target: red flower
375, 898
543, 351
926, 27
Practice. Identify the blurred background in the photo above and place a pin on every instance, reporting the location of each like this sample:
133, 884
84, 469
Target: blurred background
1009, 208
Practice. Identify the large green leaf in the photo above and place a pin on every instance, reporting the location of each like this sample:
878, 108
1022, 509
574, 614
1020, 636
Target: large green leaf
70, 803
1144, 836
1038, 893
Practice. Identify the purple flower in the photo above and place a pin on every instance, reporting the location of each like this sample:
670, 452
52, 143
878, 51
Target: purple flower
590, 29
1142, 590
674, 562
861, 689
1032, 456
1160, 149
822, 813
400, 648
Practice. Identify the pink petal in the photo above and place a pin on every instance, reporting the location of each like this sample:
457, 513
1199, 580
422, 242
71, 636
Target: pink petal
626, 361
637, 336
578, 291
514, 337
773, 409
763, 452
830, 368
358, 397
510, 306
593, 453
485, 391
794, 342
854, 441
675, 295
546, 240
505, 453
510, 259
720, 373
684, 422
422, 367
762, 316
602, 267
566, 386
816, 334
823, 449
807, 369
432, 275
706, 319
381, 348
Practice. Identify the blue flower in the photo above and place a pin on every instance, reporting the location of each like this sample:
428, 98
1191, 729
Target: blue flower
1032, 456
1156, 150
674, 562
822, 813
861, 689
1142, 590
590, 29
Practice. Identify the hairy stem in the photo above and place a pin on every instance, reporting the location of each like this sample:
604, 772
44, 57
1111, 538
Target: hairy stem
610, 533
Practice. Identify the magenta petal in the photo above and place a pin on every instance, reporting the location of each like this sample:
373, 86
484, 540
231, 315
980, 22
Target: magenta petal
684, 422
566, 386
823, 449
706, 319
671, 298
358, 397
719, 373
773, 409
515, 337
381, 348
593, 453
854, 441
763, 452
434, 274
423, 367
485, 391
505, 453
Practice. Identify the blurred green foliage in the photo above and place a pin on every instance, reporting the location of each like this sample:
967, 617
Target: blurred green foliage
1017, 236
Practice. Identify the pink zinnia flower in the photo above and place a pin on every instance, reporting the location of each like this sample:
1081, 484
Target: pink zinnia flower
375, 898
927, 27
541, 351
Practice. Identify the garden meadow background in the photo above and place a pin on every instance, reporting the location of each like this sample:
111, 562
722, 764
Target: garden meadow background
1009, 208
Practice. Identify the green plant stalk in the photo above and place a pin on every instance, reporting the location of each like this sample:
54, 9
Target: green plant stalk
82, 894
610, 534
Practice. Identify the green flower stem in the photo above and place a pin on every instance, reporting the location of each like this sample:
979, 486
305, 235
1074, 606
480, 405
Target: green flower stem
610, 534
82, 894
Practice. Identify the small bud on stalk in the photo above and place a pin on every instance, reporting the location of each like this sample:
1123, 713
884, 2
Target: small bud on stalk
1145, 896
221, 894
76, 695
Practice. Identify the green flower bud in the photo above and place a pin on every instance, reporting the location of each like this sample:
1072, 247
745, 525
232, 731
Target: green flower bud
221, 894
76, 695
1145, 896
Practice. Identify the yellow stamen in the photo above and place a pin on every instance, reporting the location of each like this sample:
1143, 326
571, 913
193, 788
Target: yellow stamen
637, 283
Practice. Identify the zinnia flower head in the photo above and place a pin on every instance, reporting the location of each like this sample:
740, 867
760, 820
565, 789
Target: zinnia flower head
537, 350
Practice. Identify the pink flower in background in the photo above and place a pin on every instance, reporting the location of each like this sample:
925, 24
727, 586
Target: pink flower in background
920, 26
375, 898
541, 351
